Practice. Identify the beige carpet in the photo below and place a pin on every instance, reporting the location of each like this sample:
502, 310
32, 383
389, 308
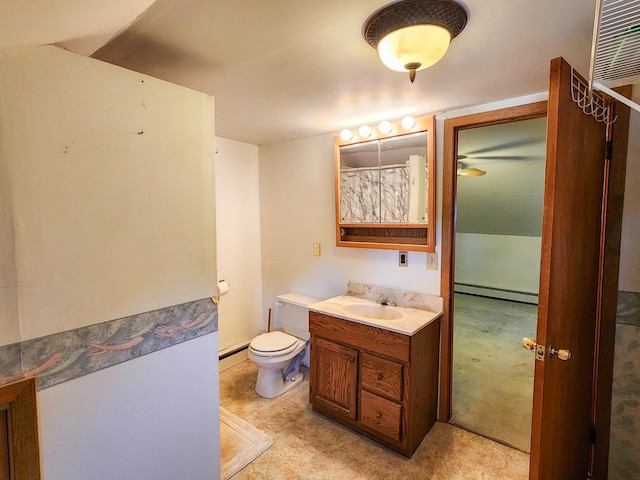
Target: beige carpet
240, 443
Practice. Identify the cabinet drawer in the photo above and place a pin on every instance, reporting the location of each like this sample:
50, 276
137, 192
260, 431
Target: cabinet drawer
380, 414
382, 376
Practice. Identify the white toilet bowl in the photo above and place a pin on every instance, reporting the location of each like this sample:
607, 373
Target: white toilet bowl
277, 355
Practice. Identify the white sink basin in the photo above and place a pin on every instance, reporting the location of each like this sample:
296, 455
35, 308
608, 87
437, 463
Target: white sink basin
373, 310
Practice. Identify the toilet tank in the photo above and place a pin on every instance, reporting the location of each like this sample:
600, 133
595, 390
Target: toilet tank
293, 313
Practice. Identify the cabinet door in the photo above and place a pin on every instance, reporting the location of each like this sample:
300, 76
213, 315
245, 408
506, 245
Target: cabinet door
334, 369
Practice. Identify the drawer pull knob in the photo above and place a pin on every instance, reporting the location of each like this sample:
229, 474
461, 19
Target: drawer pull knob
378, 415
380, 376
351, 359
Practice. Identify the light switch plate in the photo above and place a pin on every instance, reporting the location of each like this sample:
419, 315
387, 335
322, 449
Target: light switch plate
402, 258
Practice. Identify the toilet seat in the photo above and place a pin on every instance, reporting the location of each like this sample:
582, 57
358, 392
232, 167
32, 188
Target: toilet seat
273, 344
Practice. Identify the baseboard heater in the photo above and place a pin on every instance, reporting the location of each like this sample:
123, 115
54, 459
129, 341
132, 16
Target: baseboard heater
499, 293
232, 350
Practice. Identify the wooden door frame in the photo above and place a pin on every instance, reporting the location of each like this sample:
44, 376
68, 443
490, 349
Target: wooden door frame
449, 189
609, 274
24, 443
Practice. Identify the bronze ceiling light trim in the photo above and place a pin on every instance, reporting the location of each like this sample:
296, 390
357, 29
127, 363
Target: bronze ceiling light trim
412, 35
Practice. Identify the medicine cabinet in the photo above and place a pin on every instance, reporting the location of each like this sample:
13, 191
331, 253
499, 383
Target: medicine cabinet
385, 189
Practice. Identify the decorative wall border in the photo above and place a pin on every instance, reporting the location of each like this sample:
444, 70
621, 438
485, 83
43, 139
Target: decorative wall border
61, 357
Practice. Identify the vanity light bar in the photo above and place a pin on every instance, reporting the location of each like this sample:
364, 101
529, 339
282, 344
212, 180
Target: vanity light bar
384, 128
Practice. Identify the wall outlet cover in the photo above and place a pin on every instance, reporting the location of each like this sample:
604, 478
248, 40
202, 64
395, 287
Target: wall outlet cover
402, 258
432, 261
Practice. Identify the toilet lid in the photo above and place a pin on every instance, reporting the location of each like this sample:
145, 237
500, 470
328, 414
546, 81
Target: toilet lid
274, 342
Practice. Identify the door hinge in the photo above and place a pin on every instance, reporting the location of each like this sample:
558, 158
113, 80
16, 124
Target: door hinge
592, 435
609, 149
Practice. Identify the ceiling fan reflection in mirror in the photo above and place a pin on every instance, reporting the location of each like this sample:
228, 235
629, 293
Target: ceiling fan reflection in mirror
464, 171
469, 171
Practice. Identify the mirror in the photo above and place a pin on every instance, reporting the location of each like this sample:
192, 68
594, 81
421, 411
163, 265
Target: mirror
385, 189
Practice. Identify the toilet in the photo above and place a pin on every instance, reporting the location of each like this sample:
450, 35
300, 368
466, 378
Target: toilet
279, 353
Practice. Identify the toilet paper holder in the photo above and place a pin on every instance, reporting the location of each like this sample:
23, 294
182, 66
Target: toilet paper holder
222, 289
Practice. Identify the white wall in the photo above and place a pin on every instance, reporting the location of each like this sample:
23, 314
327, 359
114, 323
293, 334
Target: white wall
152, 418
498, 261
240, 312
629, 280
112, 204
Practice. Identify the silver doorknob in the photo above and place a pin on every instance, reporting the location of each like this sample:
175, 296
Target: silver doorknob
562, 354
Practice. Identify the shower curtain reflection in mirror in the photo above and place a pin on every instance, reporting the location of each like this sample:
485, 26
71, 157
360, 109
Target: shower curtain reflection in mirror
384, 181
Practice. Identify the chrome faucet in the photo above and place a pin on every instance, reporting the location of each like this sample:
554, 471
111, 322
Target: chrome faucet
389, 301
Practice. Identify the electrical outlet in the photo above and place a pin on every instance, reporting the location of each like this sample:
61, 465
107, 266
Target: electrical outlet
316, 249
402, 258
432, 261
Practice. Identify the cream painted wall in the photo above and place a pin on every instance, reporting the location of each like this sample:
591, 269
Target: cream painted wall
9, 328
498, 261
629, 280
112, 190
240, 313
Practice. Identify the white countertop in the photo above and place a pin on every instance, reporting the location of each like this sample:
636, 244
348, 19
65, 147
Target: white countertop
412, 320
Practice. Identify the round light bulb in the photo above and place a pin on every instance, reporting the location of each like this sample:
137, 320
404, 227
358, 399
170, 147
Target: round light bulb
408, 122
346, 135
385, 127
364, 131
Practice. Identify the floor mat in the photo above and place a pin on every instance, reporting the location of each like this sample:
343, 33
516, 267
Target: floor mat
240, 443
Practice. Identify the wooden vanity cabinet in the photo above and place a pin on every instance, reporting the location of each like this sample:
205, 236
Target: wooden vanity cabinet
378, 382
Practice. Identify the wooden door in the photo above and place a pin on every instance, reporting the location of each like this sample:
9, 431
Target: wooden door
569, 285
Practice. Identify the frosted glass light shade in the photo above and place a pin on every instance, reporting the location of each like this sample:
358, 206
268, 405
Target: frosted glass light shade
416, 44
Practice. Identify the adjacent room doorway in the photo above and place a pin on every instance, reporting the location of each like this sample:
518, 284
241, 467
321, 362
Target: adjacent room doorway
500, 187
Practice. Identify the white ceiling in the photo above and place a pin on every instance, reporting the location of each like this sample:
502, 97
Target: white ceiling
285, 69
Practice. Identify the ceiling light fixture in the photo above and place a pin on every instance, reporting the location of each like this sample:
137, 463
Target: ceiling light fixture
411, 35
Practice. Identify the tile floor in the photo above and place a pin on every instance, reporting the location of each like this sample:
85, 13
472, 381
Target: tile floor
307, 445
492, 373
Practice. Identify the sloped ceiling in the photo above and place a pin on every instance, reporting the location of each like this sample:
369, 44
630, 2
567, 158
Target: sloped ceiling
284, 69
